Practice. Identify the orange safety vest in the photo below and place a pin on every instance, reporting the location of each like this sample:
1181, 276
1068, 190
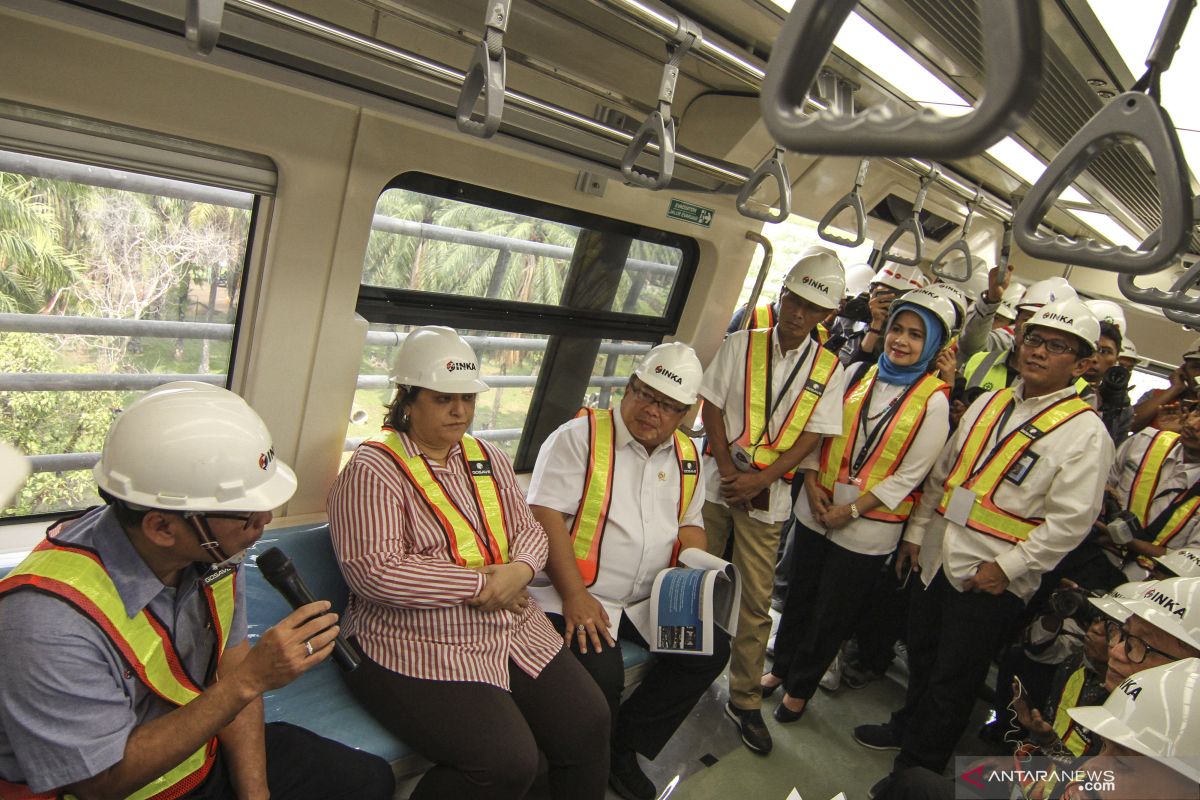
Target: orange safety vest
76, 575
889, 449
1149, 473
986, 516
468, 547
755, 437
591, 517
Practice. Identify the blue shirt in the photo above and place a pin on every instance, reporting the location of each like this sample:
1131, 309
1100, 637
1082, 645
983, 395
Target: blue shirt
68, 700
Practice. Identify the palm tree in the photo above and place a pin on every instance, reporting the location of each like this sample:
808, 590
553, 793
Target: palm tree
34, 266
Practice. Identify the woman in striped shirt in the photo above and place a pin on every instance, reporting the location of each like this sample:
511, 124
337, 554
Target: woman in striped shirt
437, 544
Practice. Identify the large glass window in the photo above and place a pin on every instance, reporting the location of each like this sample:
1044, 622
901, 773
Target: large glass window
111, 283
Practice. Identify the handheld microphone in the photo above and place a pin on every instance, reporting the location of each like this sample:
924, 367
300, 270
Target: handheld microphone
281, 573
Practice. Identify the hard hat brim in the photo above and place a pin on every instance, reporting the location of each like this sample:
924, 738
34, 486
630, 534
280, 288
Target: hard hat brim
1100, 720
1112, 607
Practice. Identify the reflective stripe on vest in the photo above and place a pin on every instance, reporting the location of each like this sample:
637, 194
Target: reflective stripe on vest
763, 316
890, 448
755, 437
987, 370
822, 333
1064, 726
468, 547
591, 518
1181, 514
1149, 473
75, 575
986, 516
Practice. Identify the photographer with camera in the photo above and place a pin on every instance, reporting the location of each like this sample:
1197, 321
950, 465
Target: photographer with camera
891, 282
1108, 384
1183, 388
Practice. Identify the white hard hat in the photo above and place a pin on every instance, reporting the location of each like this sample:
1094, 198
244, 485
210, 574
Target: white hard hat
1108, 311
858, 279
1129, 349
977, 284
1113, 603
931, 299
818, 277
1071, 316
1193, 351
1008, 301
1047, 291
436, 357
186, 448
1155, 712
1183, 563
14, 469
901, 277
673, 369
955, 295
1173, 606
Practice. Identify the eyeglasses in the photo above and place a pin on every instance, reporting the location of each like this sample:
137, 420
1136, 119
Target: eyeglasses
1053, 346
643, 396
245, 518
1136, 648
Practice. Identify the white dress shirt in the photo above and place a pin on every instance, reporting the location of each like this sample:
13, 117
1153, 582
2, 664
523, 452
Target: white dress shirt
724, 387
1064, 486
643, 515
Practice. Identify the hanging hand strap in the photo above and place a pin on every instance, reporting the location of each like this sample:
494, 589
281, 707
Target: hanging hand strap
485, 76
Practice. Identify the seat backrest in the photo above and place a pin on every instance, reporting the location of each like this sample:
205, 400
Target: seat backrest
310, 549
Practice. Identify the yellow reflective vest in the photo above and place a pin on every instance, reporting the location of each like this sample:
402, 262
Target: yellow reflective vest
1065, 727
889, 448
468, 547
587, 532
1149, 474
755, 437
983, 474
76, 575
763, 316
989, 370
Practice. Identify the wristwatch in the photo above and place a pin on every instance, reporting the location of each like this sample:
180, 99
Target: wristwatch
853, 511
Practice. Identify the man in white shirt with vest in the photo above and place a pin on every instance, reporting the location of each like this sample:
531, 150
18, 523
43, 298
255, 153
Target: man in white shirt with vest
769, 397
1015, 489
619, 494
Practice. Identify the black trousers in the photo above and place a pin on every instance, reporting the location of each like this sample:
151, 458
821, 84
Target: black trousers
304, 766
668, 693
828, 591
952, 637
484, 741
884, 621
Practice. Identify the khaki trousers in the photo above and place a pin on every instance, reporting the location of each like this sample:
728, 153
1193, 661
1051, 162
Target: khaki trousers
755, 546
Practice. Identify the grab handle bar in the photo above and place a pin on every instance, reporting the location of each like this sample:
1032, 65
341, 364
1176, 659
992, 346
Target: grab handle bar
485, 76
911, 225
1177, 297
1012, 44
772, 168
960, 246
853, 201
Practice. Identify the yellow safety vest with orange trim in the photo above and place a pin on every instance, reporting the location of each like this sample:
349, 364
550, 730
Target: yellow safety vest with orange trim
468, 547
822, 333
890, 448
1149, 473
591, 518
755, 438
1182, 510
985, 516
76, 575
763, 316
1065, 727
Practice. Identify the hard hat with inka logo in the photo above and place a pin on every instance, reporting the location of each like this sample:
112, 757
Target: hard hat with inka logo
1070, 316
818, 277
931, 299
1171, 605
193, 447
1181, 563
673, 369
900, 277
956, 297
1113, 603
436, 357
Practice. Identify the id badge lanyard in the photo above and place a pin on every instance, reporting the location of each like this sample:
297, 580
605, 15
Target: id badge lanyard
962, 499
773, 406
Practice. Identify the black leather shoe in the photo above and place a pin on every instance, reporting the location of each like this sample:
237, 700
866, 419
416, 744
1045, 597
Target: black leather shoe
785, 715
767, 691
754, 731
626, 778
877, 737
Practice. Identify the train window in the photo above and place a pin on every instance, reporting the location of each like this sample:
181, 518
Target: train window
113, 282
538, 289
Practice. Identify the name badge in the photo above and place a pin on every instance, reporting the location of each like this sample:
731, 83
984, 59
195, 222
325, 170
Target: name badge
962, 500
689, 467
845, 493
217, 574
481, 469
1020, 468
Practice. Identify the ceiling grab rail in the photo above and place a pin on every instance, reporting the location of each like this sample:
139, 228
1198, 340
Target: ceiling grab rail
1012, 45
1177, 297
771, 167
1137, 115
911, 225
853, 201
1190, 277
959, 245
202, 26
659, 126
486, 75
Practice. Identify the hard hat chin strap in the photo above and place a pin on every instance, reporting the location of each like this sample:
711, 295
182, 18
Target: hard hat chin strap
209, 542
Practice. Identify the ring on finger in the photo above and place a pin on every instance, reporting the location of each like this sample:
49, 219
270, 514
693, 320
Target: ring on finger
308, 648
581, 628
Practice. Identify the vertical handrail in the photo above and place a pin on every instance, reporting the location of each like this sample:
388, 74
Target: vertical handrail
763, 269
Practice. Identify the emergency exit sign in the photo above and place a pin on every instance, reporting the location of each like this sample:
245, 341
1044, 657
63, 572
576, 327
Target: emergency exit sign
690, 212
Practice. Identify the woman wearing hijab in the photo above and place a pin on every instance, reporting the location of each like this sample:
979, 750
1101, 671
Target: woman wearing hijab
858, 493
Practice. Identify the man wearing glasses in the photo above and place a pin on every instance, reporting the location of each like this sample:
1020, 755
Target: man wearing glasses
124, 664
1158, 624
1015, 489
619, 494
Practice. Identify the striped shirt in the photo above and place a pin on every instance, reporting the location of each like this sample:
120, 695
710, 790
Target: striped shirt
407, 596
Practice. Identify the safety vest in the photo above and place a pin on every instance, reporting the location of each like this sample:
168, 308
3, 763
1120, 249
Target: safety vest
889, 448
987, 370
468, 547
1177, 515
591, 517
755, 437
1065, 727
985, 516
1149, 473
763, 316
821, 333
76, 575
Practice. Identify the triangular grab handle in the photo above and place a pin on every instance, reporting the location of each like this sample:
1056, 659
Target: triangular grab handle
772, 168
959, 245
1012, 47
853, 201
1176, 299
911, 225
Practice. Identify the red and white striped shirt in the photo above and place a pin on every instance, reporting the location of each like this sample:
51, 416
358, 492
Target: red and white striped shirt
406, 593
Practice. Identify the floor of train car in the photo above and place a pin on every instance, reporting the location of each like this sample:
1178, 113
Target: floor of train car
817, 756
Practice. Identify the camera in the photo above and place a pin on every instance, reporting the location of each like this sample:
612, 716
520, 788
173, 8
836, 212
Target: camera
858, 308
1073, 604
1114, 387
